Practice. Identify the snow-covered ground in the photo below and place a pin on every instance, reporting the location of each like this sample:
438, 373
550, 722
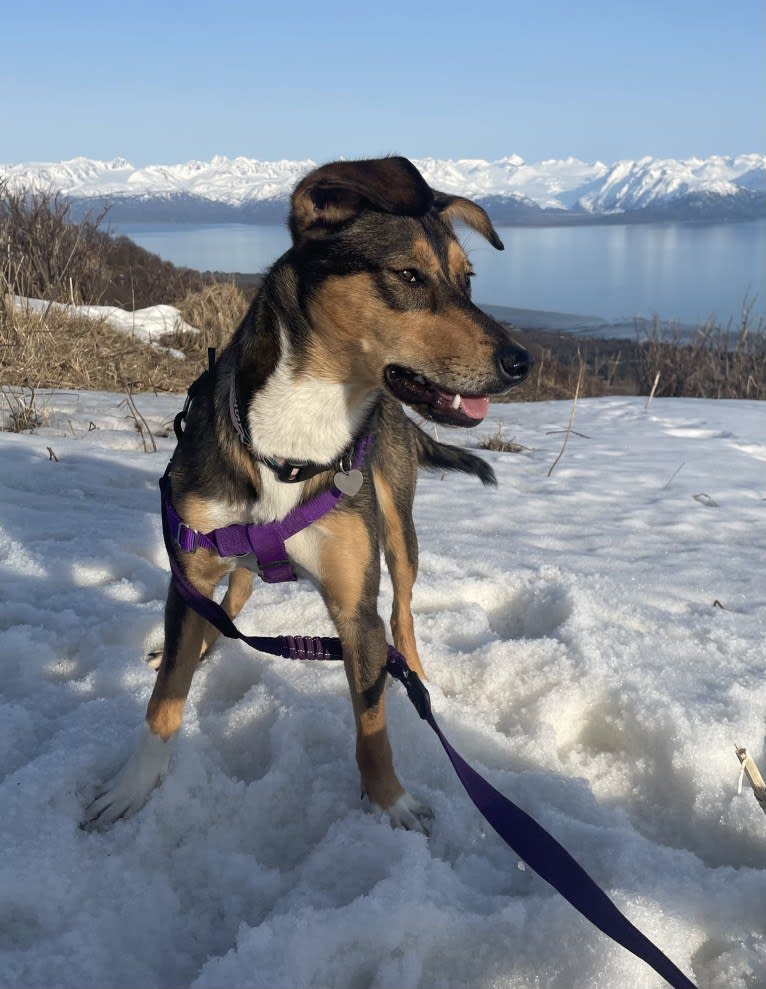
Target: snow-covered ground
578, 657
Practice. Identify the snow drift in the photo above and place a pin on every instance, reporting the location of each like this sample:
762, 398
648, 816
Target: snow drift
577, 657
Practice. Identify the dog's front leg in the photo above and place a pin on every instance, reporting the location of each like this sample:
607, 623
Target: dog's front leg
129, 790
350, 568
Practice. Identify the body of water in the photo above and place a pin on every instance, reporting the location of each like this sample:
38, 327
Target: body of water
683, 273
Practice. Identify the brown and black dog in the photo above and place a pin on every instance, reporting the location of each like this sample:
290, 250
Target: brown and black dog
370, 308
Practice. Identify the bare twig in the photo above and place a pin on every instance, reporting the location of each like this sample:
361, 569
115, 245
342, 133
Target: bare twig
142, 426
672, 477
753, 774
654, 389
571, 419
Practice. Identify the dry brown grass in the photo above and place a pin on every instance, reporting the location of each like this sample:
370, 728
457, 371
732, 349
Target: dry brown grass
216, 310
500, 444
60, 349
716, 363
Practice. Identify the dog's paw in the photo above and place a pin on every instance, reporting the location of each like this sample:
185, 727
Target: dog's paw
409, 813
129, 790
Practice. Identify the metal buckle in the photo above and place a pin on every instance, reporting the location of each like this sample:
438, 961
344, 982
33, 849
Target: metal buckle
194, 538
264, 571
271, 564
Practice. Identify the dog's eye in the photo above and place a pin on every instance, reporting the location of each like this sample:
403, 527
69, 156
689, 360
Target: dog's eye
410, 275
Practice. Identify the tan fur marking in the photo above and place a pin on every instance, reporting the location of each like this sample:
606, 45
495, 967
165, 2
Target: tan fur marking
165, 709
165, 716
345, 314
457, 262
345, 557
424, 257
402, 576
204, 569
195, 512
356, 329
375, 761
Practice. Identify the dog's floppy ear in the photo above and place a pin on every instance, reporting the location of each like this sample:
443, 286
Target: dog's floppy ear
458, 208
333, 194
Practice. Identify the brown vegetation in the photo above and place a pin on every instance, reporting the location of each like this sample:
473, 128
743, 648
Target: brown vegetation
43, 254
60, 349
215, 310
716, 363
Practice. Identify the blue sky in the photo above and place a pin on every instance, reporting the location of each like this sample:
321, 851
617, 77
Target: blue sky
168, 82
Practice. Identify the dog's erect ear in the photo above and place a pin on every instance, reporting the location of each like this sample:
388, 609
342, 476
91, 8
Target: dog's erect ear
458, 208
333, 194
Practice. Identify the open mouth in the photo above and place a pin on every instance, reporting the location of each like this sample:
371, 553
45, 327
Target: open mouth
435, 402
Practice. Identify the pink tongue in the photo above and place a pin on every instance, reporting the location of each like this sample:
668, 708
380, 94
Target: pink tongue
476, 407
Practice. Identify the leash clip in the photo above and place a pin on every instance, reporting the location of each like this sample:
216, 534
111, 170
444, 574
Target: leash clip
416, 689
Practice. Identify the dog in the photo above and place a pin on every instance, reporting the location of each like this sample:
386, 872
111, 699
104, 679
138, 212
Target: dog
369, 310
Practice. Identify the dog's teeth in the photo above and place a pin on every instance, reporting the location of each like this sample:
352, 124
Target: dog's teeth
456, 401
420, 379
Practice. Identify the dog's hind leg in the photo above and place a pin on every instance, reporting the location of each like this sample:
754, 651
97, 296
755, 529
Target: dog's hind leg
128, 791
237, 594
350, 575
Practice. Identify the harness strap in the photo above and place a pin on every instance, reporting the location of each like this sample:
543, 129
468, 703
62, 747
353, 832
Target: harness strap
286, 646
266, 542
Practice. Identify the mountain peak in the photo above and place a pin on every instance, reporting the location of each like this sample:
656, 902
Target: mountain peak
570, 184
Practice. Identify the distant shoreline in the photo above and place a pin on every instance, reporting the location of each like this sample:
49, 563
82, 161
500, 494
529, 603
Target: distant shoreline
533, 320
582, 326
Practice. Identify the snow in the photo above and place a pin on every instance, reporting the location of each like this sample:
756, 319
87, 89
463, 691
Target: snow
635, 184
565, 183
576, 658
149, 324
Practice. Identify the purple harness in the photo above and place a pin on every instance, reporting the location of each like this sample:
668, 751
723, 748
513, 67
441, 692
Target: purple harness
539, 849
261, 547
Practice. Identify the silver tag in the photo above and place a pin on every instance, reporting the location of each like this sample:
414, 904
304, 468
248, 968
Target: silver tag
349, 483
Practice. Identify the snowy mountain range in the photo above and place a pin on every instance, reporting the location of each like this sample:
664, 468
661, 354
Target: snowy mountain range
552, 191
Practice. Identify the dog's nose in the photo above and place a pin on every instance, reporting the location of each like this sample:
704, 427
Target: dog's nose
515, 363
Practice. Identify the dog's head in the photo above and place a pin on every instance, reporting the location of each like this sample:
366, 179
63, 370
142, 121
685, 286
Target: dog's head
386, 287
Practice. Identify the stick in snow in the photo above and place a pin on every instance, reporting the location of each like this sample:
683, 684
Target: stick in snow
753, 774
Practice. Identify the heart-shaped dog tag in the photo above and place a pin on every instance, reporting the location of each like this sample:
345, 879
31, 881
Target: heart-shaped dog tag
348, 483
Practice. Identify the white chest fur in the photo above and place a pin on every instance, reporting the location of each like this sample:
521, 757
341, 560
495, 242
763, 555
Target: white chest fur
303, 418
296, 417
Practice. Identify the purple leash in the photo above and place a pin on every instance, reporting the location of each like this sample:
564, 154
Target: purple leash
528, 839
532, 843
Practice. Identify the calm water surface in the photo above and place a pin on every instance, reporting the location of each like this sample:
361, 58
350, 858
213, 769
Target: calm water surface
684, 273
